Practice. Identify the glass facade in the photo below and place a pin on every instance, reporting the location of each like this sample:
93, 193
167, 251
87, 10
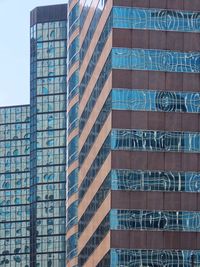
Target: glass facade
15, 186
151, 100
48, 142
94, 241
39, 144
166, 181
125, 139
146, 19
73, 19
103, 115
156, 19
155, 220
127, 99
95, 167
136, 258
95, 19
72, 134
155, 60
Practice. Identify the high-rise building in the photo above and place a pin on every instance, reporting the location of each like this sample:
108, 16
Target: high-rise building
139, 141
103, 167
14, 186
48, 136
33, 153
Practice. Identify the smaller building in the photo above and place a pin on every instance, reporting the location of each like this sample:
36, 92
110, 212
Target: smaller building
15, 186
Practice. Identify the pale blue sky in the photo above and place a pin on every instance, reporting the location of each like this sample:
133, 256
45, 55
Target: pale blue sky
14, 49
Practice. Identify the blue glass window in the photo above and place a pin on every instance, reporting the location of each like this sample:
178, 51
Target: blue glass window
169, 258
73, 150
95, 167
94, 204
72, 214
92, 27
73, 118
155, 220
137, 180
95, 93
73, 19
155, 60
156, 19
73, 85
155, 141
72, 246
85, 11
94, 241
73, 52
72, 182
149, 100
95, 130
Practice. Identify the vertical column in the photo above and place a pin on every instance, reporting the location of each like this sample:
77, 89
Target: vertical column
73, 131
48, 135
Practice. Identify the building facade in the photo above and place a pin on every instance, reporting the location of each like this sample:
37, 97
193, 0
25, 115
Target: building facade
48, 135
15, 186
103, 167
139, 147
72, 134
33, 152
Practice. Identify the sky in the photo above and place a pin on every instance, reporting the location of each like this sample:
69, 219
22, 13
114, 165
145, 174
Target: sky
14, 49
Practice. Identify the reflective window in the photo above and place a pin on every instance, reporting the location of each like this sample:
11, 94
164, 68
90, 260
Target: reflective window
95, 93
14, 186
169, 258
73, 52
94, 241
73, 85
95, 56
48, 144
51, 31
50, 68
72, 215
15, 114
149, 100
155, 220
155, 180
73, 118
73, 150
155, 141
72, 182
95, 167
73, 19
86, 5
95, 130
156, 19
93, 25
159, 60
94, 204
106, 261
72, 246
51, 85
47, 50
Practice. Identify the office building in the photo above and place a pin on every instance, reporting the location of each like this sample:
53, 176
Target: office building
48, 135
15, 186
138, 184
33, 153
103, 167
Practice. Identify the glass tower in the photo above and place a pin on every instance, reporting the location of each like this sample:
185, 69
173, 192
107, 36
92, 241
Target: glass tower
14, 186
48, 135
